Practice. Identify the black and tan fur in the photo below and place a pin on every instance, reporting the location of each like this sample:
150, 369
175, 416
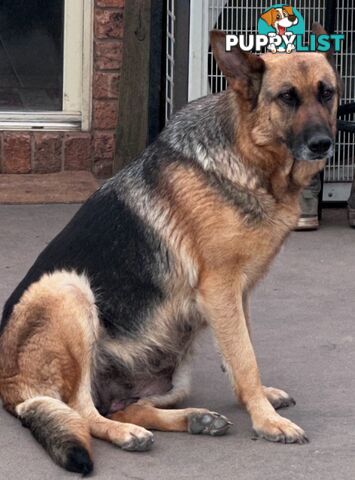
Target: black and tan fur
96, 338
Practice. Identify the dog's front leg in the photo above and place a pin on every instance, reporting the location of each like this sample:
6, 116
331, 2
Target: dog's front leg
278, 398
222, 300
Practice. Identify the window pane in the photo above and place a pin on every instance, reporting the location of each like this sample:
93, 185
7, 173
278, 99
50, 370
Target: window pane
31, 55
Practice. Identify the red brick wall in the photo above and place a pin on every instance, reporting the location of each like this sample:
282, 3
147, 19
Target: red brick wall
49, 152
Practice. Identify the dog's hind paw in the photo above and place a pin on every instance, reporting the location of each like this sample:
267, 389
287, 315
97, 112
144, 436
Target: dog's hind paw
278, 398
138, 444
209, 423
138, 439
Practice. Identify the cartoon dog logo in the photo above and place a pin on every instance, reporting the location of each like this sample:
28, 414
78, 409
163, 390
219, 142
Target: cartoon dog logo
280, 18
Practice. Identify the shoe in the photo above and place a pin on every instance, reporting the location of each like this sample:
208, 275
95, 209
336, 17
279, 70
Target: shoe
310, 222
351, 217
309, 211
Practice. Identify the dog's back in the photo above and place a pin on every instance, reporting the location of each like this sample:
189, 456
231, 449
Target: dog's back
119, 228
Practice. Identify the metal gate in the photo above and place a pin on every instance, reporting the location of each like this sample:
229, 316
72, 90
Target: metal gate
170, 58
241, 16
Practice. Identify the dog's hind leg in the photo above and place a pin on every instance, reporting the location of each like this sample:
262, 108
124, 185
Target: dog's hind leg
78, 317
79, 326
191, 420
125, 435
181, 387
45, 377
43, 357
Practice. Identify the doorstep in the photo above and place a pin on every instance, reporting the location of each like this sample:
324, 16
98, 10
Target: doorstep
62, 187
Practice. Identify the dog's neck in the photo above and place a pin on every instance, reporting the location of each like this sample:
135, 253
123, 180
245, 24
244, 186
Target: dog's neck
204, 132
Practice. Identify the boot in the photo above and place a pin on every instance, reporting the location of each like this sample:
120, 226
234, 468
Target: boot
351, 206
309, 206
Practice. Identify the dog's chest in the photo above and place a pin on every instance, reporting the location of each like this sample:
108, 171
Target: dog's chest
247, 245
267, 238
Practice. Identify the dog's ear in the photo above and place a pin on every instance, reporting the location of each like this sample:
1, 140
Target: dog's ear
243, 70
317, 29
269, 17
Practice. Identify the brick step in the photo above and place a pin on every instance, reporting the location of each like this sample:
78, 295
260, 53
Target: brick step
63, 187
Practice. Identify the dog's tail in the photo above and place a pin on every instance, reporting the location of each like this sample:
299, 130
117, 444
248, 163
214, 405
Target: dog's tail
60, 430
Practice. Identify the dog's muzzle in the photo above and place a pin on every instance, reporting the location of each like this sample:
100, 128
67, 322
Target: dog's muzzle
315, 143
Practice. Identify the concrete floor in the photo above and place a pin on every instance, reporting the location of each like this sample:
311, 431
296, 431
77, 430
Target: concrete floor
304, 331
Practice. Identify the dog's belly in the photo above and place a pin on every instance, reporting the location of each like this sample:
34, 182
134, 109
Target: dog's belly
120, 379
124, 388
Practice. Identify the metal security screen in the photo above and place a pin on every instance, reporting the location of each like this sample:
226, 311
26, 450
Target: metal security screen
170, 60
343, 166
241, 16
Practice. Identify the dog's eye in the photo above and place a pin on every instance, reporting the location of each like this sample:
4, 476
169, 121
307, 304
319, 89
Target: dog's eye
327, 94
289, 97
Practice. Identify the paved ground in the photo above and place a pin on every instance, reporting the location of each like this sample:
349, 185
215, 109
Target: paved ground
304, 330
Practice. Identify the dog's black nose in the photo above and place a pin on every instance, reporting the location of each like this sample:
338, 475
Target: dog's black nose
320, 143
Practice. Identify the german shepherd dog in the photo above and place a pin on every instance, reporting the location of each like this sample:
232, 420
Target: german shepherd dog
96, 338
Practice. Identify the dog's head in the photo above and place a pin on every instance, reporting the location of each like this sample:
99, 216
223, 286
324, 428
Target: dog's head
280, 18
290, 100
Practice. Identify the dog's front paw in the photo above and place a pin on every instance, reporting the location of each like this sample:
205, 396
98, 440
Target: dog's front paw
279, 429
278, 398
